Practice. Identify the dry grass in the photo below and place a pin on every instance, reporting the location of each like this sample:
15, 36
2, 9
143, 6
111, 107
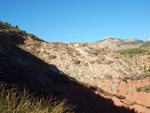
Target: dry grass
15, 101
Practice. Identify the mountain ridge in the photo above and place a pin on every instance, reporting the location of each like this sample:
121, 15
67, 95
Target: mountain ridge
148, 39
120, 44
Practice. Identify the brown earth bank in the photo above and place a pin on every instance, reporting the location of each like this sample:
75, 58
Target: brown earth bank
131, 91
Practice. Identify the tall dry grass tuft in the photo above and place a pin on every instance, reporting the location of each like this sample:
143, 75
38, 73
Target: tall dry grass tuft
13, 100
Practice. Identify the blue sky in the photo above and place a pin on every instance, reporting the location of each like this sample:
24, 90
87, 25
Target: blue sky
79, 20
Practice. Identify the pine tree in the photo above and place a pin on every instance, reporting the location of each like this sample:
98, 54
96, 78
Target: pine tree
16, 27
6, 22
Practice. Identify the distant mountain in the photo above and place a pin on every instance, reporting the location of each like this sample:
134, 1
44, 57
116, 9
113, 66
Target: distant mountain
120, 44
145, 45
148, 39
110, 42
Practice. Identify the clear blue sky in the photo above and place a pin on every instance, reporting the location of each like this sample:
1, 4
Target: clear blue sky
79, 20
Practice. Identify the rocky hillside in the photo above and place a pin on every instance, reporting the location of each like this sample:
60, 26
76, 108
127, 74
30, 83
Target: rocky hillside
88, 75
119, 44
83, 61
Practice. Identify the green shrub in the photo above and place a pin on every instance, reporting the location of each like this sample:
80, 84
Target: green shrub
70, 53
145, 44
131, 43
132, 51
121, 97
125, 79
102, 49
16, 27
148, 68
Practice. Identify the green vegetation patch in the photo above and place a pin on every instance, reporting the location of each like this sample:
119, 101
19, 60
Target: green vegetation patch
145, 44
5, 25
133, 51
131, 43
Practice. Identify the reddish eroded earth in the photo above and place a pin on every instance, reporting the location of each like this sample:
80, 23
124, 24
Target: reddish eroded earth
144, 60
129, 90
133, 99
90, 102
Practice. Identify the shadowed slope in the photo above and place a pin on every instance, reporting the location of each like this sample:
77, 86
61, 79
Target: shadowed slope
23, 68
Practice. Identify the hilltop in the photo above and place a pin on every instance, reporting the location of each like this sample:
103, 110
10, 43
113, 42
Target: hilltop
120, 44
94, 78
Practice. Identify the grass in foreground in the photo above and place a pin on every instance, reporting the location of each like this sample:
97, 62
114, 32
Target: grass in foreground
15, 101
